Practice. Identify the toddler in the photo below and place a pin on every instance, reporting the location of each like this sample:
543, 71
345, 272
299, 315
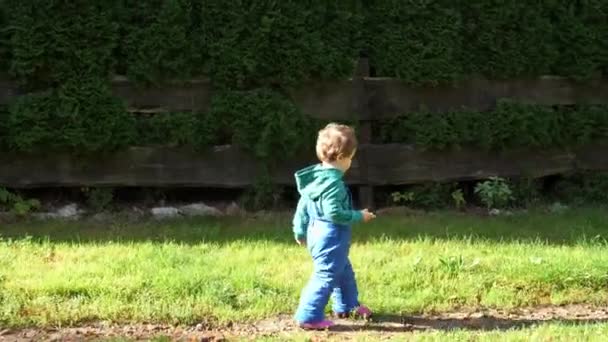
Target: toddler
322, 222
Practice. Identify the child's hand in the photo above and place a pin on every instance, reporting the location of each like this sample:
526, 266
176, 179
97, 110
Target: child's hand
367, 216
301, 242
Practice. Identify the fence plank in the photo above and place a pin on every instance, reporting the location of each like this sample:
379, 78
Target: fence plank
329, 100
192, 95
387, 97
593, 159
229, 167
554, 91
221, 167
132, 167
397, 164
391, 97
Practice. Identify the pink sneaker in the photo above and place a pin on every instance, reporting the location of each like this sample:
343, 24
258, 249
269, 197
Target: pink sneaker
362, 311
323, 325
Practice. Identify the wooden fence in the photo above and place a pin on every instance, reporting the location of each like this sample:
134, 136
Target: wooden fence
361, 98
229, 167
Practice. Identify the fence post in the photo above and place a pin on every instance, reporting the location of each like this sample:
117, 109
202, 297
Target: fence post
361, 106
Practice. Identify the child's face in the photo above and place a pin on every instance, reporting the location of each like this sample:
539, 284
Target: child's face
345, 162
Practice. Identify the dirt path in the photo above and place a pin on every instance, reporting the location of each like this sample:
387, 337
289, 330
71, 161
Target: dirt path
382, 326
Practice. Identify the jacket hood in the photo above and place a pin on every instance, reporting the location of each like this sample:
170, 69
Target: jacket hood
314, 180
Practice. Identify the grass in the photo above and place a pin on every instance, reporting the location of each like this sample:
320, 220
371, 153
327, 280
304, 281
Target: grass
58, 273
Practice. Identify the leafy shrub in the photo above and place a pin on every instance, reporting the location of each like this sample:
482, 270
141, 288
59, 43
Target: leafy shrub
160, 43
430, 196
52, 42
510, 125
18, 205
440, 41
507, 39
583, 32
99, 198
194, 129
254, 44
263, 194
264, 122
494, 193
583, 188
459, 199
4, 40
526, 191
244, 44
81, 117
403, 197
416, 41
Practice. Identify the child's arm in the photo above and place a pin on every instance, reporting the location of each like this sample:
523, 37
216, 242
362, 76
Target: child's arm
333, 207
300, 220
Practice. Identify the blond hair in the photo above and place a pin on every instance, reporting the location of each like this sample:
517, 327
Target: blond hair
336, 141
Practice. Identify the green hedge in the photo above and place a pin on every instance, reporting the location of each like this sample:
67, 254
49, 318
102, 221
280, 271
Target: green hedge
159, 40
510, 125
176, 129
236, 43
53, 42
509, 38
4, 37
253, 43
262, 121
245, 44
583, 188
79, 117
252, 51
65, 52
443, 40
417, 41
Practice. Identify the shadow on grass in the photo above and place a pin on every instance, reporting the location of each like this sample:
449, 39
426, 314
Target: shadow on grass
397, 323
539, 226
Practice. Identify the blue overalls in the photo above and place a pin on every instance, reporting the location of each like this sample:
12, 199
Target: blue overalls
328, 244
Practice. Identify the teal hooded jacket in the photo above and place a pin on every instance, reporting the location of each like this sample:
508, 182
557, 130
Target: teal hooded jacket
325, 186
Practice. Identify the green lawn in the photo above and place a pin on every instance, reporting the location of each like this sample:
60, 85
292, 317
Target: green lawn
185, 271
